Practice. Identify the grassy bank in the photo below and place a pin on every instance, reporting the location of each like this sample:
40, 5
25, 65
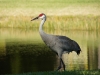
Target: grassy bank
66, 14
62, 73
88, 22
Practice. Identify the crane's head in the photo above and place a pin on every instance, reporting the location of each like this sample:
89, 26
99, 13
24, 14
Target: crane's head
41, 16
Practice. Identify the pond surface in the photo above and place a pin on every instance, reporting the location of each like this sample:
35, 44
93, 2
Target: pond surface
22, 50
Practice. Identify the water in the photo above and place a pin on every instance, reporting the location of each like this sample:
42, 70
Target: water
22, 50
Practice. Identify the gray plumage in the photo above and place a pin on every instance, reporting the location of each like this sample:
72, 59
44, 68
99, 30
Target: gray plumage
59, 44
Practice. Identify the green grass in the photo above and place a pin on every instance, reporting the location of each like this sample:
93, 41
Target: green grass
62, 73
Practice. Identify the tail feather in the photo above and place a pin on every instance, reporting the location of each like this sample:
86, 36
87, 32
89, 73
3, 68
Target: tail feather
78, 52
76, 47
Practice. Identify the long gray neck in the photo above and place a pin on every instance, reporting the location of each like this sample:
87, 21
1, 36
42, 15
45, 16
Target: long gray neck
45, 37
41, 26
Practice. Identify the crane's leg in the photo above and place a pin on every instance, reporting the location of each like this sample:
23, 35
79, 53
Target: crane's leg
59, 53
61, 61
59, 67
63, 64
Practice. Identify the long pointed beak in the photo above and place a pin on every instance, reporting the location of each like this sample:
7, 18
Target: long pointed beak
34, 18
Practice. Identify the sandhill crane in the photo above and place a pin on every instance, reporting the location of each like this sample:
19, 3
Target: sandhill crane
58, 44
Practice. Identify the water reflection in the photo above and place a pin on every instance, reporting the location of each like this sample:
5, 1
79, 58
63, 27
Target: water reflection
21, 57
22, 50
93, 56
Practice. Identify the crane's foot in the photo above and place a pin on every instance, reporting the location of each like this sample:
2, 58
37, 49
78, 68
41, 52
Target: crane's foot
58, 68
61, 68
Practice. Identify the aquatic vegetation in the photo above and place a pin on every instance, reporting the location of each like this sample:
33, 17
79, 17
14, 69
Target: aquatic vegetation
54, 22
